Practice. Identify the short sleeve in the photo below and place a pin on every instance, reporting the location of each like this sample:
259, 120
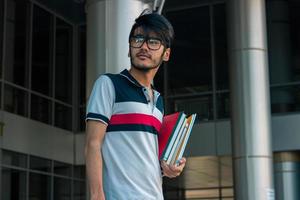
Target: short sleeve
102, 98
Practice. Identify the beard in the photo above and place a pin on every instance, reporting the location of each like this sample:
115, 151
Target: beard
144, 68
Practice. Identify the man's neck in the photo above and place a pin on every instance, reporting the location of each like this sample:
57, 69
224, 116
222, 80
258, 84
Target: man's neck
145, 78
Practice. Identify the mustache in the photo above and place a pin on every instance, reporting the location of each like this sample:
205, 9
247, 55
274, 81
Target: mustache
143, 53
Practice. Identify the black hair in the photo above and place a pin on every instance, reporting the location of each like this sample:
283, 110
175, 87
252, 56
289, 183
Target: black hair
154, 22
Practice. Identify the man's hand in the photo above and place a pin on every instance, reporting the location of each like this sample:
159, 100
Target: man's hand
172, 171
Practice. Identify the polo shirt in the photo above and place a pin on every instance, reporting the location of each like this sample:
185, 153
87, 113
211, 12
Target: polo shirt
131, 168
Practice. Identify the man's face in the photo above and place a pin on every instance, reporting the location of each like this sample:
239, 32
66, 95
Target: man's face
145, 58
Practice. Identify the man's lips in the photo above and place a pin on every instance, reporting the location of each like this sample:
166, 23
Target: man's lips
143, 55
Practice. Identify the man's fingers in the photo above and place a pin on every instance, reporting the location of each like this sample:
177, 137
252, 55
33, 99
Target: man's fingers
173, 171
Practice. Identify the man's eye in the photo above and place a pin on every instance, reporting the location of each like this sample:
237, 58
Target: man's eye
154, 41
138, 40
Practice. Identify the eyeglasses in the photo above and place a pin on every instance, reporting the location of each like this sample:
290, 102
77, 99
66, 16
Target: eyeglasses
138, 41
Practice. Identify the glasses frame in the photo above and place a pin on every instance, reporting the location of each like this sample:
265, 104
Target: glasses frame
147, 40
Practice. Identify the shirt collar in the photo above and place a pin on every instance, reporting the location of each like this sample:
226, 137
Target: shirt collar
127, 75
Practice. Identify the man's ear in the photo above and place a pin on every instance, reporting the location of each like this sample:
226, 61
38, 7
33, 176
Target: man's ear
166, 55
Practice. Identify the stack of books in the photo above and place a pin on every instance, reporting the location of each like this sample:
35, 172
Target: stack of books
174, 135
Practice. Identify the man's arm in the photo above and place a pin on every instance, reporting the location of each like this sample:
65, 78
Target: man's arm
95, 132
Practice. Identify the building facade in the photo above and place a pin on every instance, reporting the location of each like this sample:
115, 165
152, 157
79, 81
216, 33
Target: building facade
235, 63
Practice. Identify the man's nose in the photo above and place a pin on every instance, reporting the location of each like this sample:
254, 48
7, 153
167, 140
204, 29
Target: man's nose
145, 45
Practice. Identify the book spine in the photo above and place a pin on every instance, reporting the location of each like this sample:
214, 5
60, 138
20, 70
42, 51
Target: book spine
178, 145
171, 140
181, 150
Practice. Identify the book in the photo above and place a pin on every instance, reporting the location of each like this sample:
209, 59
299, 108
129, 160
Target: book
167, 134
184, 140
174, 135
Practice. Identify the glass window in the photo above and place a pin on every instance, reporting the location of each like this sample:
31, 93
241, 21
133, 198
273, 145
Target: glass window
13, 184
79, 172
284, 55
16, 67
62, 189
189, 68
41, 109
201, 105
226, 174
1, 32
220, 38
63, 59
79, 190
223, 105
15, 100
294, 7
40, 164
14, 159
285, 98
82, 113
82, 64
62, 168
82, 77
63, 116
159, 79
39, 187
41, 77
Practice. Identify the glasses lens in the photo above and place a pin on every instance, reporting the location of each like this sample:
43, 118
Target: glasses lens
137, 41
154, 43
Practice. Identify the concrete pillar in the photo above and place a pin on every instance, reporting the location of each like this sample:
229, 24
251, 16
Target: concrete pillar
287, 175
249, 84
108, 26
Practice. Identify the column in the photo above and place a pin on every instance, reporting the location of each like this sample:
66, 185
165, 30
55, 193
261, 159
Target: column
287, 175
108, 26
250, 104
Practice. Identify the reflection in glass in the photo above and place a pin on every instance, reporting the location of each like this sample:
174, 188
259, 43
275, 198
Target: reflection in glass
220, 40
1, 33
41, 109
82, 77
62, 189
295, 37
226, 173
201, 105
189, 68
39, 187
79, 190
40, 164
13, 184
223, 105
79, 172
41, 51
15, 100
63, 59
63, 116
82, 113
285, 99
62, 168
17, 34
82, 65
14, 159
160, 79
202, 193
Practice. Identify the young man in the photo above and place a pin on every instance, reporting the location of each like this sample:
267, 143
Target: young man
124, 115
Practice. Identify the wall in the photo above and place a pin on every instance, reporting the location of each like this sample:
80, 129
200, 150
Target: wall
35, 138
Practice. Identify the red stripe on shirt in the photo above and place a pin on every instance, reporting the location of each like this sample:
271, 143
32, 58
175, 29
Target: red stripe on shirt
135, 118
